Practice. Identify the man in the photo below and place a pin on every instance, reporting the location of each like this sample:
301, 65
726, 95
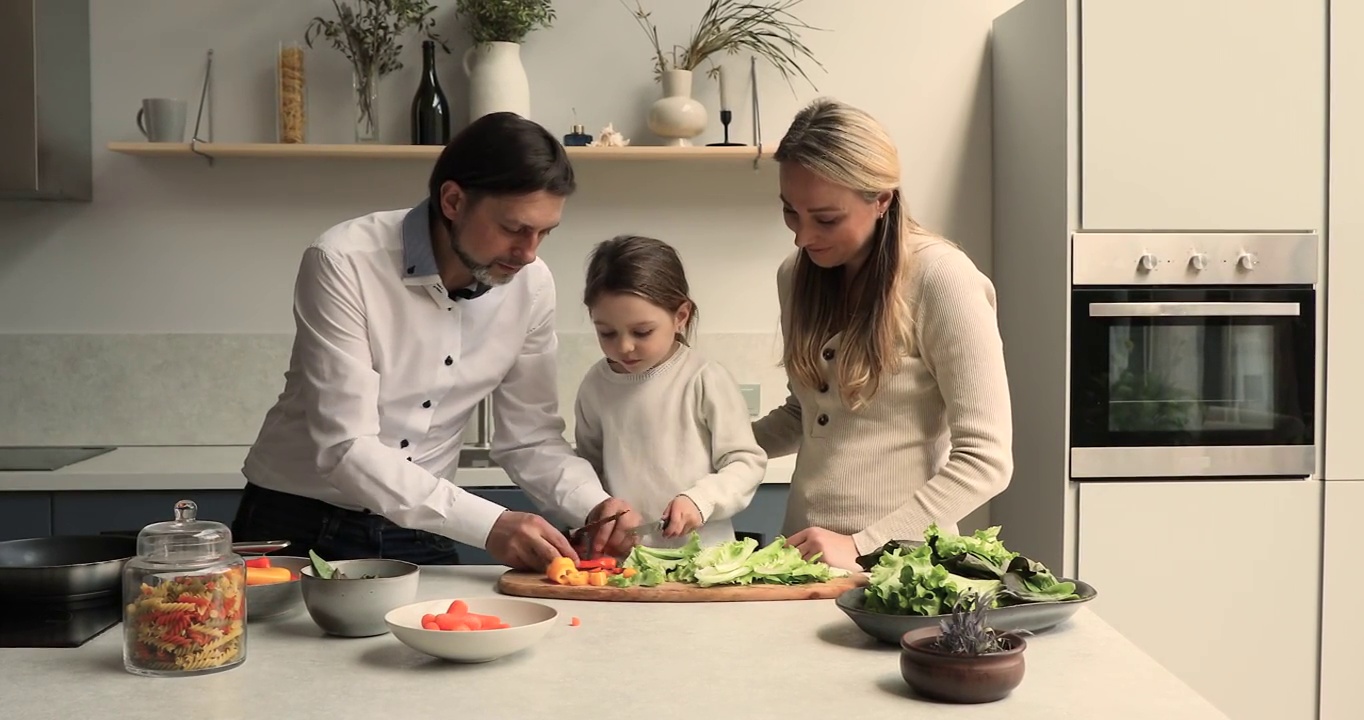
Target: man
405, 320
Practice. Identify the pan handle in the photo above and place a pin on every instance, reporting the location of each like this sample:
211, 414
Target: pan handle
249, 548
259, 548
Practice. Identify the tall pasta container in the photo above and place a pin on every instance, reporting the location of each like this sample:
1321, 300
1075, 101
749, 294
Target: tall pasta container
291, 94
184, 596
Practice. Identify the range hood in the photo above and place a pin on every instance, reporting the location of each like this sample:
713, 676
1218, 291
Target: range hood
45, 100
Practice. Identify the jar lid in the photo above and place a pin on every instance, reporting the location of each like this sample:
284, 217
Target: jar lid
579, 130
185, 539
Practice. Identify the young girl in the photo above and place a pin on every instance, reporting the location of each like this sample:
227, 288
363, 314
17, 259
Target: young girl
667, 430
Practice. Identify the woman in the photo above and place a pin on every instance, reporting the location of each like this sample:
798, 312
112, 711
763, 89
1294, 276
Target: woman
899, 408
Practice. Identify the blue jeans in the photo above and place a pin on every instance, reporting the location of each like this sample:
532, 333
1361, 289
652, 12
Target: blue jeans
334, 533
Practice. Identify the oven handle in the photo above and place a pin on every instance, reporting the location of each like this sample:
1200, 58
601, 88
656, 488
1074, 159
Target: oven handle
1195, 309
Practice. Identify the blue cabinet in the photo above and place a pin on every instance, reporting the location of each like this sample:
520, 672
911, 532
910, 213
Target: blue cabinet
40, 514
25, 515
94, 512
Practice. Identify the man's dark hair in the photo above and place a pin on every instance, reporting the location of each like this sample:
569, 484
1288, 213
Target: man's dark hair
503, 154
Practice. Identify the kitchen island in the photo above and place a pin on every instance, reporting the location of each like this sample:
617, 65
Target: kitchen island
792, 659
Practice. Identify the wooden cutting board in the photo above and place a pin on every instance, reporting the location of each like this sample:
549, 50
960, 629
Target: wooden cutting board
535, 585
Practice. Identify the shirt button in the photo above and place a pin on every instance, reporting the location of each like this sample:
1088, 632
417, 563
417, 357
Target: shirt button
824, 387
411, 269
404, 444
822, 419
828, 353
449, 360
426, 404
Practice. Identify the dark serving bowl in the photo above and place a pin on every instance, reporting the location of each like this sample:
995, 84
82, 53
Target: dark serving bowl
1032, 617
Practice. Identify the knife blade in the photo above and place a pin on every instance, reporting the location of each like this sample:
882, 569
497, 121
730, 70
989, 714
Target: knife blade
649, 528
589, 527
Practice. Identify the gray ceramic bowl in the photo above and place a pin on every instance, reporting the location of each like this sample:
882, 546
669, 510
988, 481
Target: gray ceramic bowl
355, 606
1032, 617
266, 601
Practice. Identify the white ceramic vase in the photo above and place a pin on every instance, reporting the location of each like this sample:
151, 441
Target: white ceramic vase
676, 117
497, 80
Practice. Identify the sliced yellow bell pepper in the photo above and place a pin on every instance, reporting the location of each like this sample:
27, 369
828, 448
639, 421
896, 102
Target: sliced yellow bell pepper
596, 578
559, 568
577, 577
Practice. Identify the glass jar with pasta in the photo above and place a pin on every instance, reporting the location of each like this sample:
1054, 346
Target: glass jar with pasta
184, 596
291, 94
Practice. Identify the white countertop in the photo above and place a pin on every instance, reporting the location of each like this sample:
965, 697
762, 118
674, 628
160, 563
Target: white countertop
791, 660
217, 468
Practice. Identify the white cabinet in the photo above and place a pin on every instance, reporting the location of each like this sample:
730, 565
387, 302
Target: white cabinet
1218, 581
1345, 248
1342, 622
1206, 115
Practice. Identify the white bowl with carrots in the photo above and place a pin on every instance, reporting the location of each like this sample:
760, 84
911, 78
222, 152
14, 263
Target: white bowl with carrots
471, 630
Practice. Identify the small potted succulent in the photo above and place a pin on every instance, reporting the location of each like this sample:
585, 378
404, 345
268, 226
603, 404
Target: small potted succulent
963, 660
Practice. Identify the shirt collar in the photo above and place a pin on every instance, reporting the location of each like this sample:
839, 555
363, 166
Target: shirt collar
419, 262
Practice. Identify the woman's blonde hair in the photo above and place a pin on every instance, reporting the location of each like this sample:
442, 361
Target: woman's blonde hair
846, 146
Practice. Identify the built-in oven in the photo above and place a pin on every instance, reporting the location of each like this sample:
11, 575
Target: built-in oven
1193, 355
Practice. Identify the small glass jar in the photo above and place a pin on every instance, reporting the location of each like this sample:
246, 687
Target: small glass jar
291, 94
184, 596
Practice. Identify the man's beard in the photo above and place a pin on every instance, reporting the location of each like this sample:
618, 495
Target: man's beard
482, 272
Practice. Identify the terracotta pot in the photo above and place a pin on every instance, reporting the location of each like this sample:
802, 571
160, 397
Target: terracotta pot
946, 677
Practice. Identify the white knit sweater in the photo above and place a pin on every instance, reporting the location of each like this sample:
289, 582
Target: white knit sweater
681, 428
935, 441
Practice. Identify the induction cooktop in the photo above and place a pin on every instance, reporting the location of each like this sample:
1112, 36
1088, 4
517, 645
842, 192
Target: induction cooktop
56, 624
46, 458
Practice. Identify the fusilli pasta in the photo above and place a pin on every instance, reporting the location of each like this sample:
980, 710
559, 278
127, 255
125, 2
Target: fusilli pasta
187, 623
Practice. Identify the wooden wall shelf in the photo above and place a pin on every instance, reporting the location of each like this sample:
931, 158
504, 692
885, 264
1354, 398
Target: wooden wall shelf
424, 152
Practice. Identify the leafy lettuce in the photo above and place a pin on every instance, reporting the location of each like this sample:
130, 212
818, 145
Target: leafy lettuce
928, 578
739, 562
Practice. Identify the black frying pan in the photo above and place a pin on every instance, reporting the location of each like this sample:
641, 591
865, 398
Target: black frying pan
64, 568
71, 568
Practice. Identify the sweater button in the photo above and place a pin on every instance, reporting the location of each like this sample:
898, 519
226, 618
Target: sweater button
822, 419
449, 360
828, 353
404, 444
426, 404
824, 387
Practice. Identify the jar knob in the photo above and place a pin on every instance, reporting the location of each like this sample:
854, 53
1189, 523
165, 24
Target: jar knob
185, 511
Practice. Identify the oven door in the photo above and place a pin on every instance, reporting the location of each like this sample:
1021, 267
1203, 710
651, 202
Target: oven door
1193, 382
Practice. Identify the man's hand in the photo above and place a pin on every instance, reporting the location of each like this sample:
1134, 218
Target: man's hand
613, 538
836, 550
526, 541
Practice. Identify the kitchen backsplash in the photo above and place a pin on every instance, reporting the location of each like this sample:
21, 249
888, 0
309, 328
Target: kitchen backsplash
213, 389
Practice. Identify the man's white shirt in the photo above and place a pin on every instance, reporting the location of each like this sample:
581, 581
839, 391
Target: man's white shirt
387, 370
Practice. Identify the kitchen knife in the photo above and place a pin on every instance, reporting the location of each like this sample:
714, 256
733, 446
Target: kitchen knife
649, 528
581, 539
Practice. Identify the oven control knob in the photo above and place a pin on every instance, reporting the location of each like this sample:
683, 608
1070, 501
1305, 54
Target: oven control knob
1147, 262
1248, 261
1199, 261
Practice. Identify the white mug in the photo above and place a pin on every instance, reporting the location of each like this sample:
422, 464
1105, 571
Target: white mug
162, 120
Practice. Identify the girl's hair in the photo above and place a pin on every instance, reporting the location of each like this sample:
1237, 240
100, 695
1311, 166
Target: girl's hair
848, 147
640, 266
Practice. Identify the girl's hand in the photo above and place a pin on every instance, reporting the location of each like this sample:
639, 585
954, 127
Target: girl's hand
836, 550
683, 517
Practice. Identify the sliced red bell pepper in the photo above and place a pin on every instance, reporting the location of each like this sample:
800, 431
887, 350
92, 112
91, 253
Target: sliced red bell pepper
258, 562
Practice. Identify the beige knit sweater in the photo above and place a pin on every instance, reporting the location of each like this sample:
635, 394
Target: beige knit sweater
935, 441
